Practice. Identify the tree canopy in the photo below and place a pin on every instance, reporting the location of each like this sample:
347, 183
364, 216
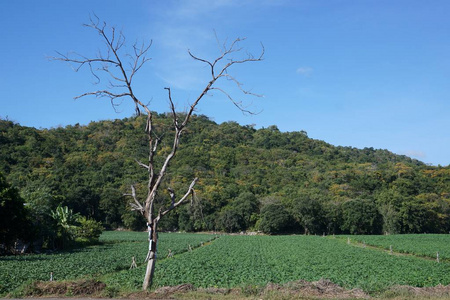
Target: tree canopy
241, 170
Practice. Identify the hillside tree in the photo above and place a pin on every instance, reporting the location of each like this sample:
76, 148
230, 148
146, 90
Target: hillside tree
14, 221
120, 69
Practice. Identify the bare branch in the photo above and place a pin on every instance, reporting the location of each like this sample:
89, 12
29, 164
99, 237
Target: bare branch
120, 77
103, 93
204, 61
142, 165
136, 205
190, 191
140, 55
223, 72
155, 146
238, 104
172, 196
172, 108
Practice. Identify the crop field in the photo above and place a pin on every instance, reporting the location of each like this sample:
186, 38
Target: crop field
230, 261
113, 255
256, 260
426, 245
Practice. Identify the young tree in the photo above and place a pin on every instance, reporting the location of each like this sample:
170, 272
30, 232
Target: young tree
121, 68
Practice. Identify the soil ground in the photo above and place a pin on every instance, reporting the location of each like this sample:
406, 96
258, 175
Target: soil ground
322, 289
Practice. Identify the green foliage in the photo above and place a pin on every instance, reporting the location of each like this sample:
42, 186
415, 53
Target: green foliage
14, 222
248, 208
275, 219
230, 220
239, 261
88, 230
391, 219
64, 217
89, 168
360, 217
310, 214
426, 245
65, 224
240, 214
40, 201
133, 221
72, 227
112, 256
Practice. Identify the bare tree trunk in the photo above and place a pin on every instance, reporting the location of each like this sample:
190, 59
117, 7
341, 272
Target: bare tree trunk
149, 272
151, 255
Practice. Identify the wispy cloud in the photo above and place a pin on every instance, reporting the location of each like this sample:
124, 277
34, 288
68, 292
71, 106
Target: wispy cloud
174, 65
183, 25
414, 153
305, 71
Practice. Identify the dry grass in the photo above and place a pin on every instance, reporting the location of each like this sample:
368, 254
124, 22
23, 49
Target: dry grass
322, 289
77, 288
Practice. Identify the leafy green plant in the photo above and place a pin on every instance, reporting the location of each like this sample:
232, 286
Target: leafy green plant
113, 256
66, 227
88, 230
232, 261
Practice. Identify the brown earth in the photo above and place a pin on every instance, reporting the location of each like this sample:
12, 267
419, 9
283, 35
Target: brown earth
63, 288
301, 289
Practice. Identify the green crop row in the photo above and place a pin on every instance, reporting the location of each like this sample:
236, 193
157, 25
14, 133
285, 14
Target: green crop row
97, 260
243, 260
176, 242
426, 245
230, 261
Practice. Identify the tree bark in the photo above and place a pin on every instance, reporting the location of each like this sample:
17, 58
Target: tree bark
149, 272
151, 255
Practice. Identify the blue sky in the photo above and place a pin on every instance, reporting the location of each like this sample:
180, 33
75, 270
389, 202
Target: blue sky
352, 73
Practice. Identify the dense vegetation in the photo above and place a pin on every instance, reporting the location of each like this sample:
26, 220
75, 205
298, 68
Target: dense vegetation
231, 261
113, 255
249, 179
12, 211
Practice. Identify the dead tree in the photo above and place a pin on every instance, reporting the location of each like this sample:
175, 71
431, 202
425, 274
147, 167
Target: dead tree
120, 69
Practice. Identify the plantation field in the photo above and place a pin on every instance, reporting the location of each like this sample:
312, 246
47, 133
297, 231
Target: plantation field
426, 245
256, 260
113, 255
230, 261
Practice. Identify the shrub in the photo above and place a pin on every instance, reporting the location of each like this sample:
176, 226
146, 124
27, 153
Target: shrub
88, 230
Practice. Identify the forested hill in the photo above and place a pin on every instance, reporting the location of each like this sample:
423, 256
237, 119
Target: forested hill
248, 179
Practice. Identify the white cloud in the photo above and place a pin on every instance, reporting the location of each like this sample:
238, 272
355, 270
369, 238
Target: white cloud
174, 65
183, 25
305, 71
414, 153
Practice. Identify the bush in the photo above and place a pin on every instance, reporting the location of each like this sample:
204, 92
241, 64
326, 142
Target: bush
88, 230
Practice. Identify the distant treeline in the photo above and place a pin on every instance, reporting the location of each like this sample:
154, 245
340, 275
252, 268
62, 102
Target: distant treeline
249, 179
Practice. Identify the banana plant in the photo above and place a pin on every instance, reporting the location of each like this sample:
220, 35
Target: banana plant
65, 223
